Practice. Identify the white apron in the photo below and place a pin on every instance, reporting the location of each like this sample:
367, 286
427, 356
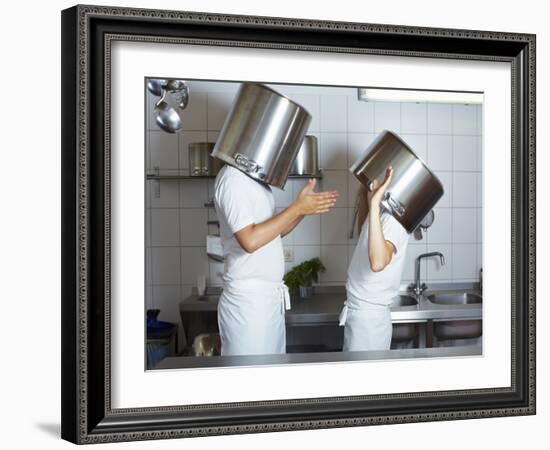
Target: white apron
368, 325
251, 317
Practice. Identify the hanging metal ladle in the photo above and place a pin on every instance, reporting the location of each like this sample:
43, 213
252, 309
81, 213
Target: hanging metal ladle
424, 225
154, 85
180, 89
166, 116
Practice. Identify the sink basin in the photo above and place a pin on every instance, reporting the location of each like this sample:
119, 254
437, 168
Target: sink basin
403, 300
462, 298
456, 329
403, 332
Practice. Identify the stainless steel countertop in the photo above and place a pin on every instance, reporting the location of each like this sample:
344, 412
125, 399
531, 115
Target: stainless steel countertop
325, 305
193, 362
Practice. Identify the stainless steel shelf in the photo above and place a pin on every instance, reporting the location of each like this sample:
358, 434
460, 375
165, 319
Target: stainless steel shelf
157, 177
305, 177
153, 177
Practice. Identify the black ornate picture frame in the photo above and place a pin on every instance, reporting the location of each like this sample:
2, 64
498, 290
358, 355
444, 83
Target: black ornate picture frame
87, 34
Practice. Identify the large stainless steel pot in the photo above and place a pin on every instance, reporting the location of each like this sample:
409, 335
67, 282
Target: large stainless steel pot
414, 189
307, 160
262, 134
201, 163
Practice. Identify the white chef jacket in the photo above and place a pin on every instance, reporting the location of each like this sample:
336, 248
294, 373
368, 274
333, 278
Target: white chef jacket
378, 287
366, 313
251, 309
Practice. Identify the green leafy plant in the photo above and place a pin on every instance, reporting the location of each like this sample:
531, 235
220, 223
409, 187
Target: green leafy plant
304, 274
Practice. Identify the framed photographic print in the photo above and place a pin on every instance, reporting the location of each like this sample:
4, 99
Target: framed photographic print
294, 201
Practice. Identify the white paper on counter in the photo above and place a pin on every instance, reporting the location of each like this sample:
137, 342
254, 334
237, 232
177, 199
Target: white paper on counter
214, 246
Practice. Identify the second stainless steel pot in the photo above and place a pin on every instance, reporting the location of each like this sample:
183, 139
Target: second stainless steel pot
414, 189
201, 163
307, 160
262, 134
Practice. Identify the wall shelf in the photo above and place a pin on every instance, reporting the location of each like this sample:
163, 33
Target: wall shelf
305, 177
176, 177
157, 176
154, 177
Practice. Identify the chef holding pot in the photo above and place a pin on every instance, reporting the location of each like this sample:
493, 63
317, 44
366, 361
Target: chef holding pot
374, 274
258, 151
388, 211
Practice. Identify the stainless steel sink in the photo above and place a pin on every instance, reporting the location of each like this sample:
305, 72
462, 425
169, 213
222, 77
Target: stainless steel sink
456, 329
402, 332
461, 298
404, 300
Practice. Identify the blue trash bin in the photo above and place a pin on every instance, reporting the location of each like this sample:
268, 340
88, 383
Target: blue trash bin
159, 338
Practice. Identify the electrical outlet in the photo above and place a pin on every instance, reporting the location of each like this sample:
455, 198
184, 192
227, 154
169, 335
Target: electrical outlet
289, 254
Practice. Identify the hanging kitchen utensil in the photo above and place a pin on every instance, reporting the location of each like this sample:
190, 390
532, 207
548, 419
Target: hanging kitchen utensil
180, 90
175, 85
183, 99
424, 225
166, 117
154, 85
262, 134
417, 233
414, 189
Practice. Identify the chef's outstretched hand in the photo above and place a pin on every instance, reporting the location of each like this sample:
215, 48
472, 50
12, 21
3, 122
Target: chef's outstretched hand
378, 190
310, 202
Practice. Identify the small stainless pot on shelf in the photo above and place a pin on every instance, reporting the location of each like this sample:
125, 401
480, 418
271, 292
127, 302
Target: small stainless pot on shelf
201, 163
307, 160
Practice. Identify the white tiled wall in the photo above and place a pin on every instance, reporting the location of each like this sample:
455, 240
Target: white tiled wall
447, 137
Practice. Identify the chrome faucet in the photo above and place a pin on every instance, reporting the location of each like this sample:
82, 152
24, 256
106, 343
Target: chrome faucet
416, 287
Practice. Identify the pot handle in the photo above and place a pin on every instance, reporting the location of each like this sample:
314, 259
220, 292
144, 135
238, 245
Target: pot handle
246, 164
395, 205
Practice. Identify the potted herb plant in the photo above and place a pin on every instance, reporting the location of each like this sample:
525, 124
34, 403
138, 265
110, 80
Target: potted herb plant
301, 277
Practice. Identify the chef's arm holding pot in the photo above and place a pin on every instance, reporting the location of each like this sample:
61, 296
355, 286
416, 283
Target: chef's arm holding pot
380, 249
308, 202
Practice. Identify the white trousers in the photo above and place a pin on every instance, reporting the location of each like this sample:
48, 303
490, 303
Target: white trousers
251, 318
368, 326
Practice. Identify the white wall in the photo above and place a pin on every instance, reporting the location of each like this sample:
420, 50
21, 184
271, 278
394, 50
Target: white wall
31, 234
446, 136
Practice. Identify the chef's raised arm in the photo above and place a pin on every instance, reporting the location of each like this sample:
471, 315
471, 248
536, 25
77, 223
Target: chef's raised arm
380, 249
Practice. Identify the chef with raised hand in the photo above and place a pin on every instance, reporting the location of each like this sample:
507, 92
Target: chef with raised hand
375, 272
251, 309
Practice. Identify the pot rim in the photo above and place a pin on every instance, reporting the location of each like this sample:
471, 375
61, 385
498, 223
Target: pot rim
407, 147
264, 86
